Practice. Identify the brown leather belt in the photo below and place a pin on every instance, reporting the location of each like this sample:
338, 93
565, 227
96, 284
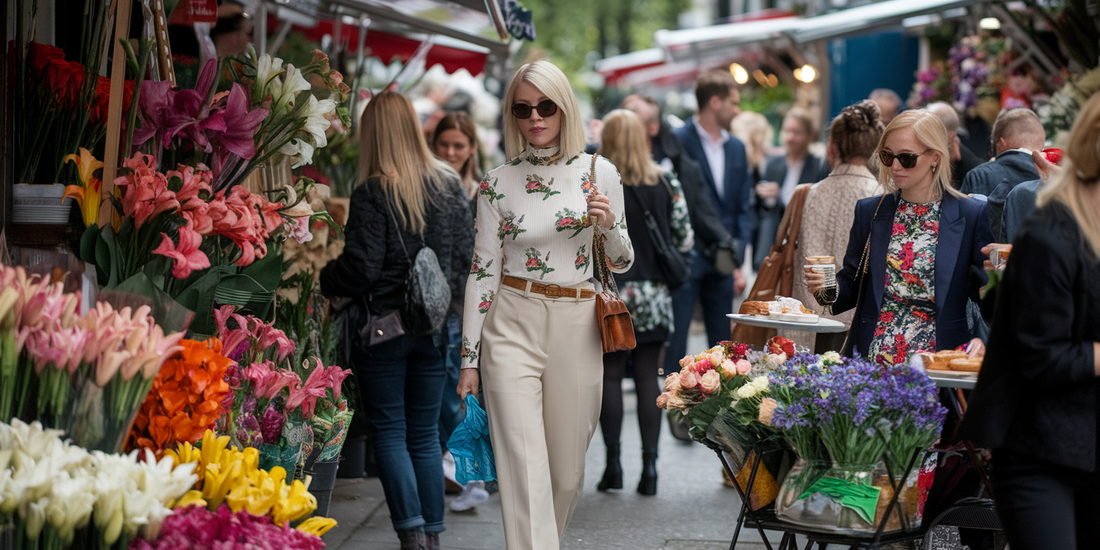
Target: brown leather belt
550, 291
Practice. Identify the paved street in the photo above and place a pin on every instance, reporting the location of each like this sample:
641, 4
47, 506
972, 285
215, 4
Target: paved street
692, 509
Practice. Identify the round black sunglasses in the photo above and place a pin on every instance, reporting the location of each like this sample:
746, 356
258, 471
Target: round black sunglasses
907, 160
546, 108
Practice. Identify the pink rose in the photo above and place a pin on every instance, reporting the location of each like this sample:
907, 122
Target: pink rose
672, 382
743, 367
662, 401
710, 382
688, 379
687, 361
767, 410
702, 365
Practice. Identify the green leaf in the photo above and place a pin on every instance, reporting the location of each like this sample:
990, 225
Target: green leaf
88, 241
199, 297
170, 314
108, 256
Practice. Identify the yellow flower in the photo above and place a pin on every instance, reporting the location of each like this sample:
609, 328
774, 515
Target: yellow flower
88, 193
218, 483
317, 525
190, 498
213, 447
296, 503
185, 454
257, 495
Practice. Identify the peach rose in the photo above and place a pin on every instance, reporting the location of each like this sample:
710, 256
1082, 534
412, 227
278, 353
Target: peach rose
775, 361
662, 400
688, 379
767, 410
716, 359
687, 361
743, 366
710, 382
672, 382
729, 369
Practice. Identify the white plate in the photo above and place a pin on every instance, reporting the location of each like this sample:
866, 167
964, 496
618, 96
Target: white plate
960, 374
770, 321
809, 319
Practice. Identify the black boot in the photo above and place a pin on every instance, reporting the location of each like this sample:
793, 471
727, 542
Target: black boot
412, 539
613, 474
648, 484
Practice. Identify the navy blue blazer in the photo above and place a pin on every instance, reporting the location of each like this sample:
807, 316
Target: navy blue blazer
735, 206
964, 230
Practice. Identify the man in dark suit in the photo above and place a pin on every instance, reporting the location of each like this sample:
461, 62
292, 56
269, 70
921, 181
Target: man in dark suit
712, 237
1016, 133
725, 170
963, 160
781, 175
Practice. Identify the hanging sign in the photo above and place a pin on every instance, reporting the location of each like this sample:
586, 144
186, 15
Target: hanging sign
189, 12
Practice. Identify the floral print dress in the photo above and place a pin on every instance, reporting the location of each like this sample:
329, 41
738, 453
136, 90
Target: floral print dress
907, 320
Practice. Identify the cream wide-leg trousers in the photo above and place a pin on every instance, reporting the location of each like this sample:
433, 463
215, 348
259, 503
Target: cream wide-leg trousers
542, 371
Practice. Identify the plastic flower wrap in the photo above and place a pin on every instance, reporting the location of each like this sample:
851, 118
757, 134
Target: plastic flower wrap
234, 477
187, 398
55, 491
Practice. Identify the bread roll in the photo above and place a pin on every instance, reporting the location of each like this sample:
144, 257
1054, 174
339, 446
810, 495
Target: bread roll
754, 308
966, 365
941, 360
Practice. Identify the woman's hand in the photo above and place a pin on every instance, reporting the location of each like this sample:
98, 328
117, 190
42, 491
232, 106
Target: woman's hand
988, 249
599, 210
815, 281
1045, 168
467, 384
976, 349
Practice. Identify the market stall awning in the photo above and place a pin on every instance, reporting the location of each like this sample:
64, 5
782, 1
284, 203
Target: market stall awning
450, 53
719, 40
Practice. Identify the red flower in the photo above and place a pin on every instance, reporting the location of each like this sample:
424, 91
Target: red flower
880, 330
40, 55
532, 262
909, 278
907, 256
920, 210
886, 317
899, 228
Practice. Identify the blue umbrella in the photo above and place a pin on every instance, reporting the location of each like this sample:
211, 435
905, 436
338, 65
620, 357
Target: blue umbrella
470, 446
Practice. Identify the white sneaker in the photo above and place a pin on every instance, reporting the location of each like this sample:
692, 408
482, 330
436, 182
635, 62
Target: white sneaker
451, 486
472, 494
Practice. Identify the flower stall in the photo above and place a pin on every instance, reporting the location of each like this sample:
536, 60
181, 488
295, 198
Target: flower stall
828, 444
175, 390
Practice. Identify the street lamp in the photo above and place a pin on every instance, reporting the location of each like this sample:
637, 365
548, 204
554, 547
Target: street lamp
739, 73
805, 73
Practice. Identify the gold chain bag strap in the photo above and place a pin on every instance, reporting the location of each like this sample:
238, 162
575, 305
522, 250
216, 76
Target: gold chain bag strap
861, 273
616, 329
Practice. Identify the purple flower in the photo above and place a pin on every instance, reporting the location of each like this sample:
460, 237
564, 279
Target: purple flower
195, 527
271, 424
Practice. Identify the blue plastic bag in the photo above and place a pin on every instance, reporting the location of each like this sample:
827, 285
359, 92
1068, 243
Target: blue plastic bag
470, 446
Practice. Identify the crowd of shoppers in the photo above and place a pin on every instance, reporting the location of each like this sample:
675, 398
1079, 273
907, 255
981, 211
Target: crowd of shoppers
516, 247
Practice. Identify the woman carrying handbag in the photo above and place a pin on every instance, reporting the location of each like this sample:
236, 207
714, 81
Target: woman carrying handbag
660, 230
406, 201
530, 316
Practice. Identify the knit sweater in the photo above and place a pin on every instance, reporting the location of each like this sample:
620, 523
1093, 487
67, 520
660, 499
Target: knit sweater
532, 223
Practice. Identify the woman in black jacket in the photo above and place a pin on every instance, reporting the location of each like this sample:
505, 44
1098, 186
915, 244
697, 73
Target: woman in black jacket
1035, 403
407, 200
644, 290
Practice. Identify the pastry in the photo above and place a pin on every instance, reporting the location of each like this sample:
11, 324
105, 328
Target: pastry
753, 308
941, 360
966, 365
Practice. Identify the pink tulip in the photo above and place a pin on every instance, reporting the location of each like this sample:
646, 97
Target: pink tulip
109, 365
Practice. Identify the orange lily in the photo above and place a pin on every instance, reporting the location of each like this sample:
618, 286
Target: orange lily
88, 193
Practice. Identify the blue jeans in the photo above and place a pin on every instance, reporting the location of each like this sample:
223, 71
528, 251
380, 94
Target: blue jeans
401, 385
452, 414
715, 292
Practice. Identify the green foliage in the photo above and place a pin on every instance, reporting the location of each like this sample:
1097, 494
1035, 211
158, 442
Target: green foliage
306, 320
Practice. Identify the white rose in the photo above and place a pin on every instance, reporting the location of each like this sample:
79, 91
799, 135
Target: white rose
746, 391
760, 383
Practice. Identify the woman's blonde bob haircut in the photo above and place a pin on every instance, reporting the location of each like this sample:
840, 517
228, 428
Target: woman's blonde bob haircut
623, 143
392, 148
555, 86
1080, 174
932, 134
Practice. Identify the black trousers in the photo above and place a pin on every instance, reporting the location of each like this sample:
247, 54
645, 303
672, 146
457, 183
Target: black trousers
1045, 506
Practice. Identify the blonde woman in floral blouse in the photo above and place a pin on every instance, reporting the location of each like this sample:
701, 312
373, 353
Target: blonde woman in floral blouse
924, 239
530, 315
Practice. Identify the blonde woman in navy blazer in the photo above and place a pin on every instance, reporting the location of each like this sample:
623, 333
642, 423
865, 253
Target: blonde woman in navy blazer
912, 288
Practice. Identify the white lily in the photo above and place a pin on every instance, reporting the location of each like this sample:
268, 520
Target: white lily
34, 518
267, 69
284, 91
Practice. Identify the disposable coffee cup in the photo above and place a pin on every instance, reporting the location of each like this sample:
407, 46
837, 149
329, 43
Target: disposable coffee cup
820, 260
829, 270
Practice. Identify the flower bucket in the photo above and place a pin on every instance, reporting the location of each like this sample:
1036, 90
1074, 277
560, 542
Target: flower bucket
40, 204
324, 480
845, 499
353, 458
99, 418
773, 466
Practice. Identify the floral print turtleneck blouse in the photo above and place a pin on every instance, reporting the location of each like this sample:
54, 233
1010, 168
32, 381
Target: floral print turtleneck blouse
532, 223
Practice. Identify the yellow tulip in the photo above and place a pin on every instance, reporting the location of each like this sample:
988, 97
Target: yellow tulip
218, 483
89, 192
190, 498
297, 503
213, 447
317, 525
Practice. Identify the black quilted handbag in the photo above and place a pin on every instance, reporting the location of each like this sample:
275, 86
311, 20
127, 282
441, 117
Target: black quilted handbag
427, 294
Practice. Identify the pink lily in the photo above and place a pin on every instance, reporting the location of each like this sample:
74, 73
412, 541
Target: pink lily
187, 255
314, 388
108, 365
336, 377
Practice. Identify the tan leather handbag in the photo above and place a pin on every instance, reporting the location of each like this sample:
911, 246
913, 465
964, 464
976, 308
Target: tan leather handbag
616, 328
776, 274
